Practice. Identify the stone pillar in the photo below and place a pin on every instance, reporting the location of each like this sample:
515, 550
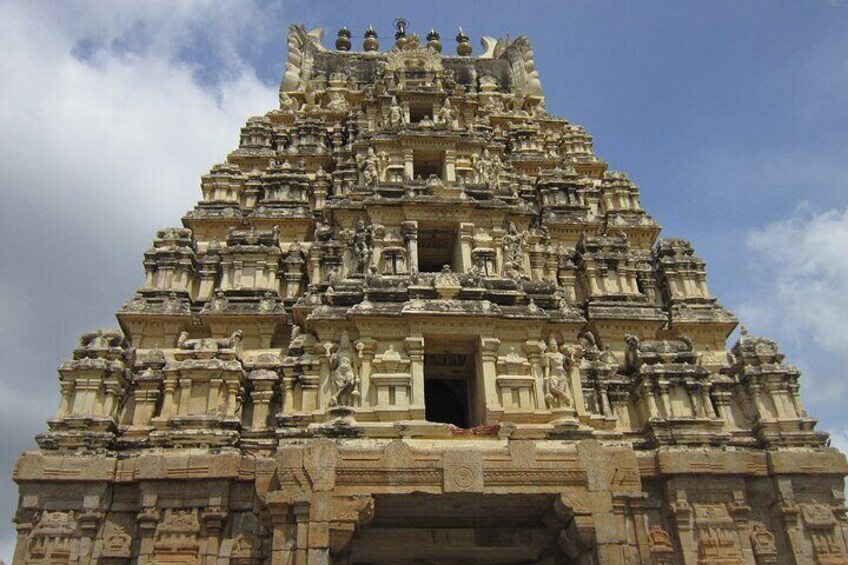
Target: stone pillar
169, 408
450, 166
466, 244
238, 273
366, 358
619, 401
722, 406
415, 350
282, 535
534, 350
89, 524
796, 401
681, 516
652, 411
148, 519
640, 530
294, 271
408, 165
23, 528
216, 386
788, 514
706, 401
233, 389
322, 188
263, 392
212, 521
324, 387
776, 394
537, 264
568, 280
289, 378
578, 402
379, 235
757, 397
665, 401
591, 277
550, 262
698, 409
314, 267
146, 396
649, 286
488, 373
497, 240
740, 513
67, 389
410, 233
301, 543
702, 286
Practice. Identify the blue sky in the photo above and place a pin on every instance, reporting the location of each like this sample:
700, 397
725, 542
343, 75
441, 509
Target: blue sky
731, 117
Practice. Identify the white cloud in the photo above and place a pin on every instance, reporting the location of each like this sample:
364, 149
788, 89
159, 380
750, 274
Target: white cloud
801, 265
107, 119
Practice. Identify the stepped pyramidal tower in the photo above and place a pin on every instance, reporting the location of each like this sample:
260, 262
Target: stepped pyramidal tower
414, 319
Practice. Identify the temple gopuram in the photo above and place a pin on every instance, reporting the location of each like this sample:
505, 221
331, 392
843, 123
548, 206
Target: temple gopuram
414, 319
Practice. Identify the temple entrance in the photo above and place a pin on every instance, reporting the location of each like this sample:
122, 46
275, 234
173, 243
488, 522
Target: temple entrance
436, 248
449, 379
454, 529
446, 401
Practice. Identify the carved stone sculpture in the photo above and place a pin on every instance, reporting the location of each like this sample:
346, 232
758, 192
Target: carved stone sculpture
556, 376
345, 378
535, 376
362, 247
513, 243
396, 116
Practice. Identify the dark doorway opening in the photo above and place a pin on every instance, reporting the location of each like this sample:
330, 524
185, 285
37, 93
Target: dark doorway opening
418, 112
446, 401
426, 164
460, 528
450, 379
435, 250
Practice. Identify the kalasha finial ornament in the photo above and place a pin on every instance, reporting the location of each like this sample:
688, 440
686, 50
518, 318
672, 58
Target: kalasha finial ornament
400, 35
400, 25
343, 40
463, 46
370, 43
433, 40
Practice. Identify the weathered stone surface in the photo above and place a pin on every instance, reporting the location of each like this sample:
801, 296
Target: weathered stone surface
415, 319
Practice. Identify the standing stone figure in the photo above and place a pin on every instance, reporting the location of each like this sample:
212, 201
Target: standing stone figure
345, 380
445, 115
362, 246
395, 119
556, 376
369, 167
372, 166
487, 169
513, 244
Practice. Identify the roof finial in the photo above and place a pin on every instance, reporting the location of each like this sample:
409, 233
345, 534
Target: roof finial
463, 47
343, 39
400, 25
370, 43
433, 40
